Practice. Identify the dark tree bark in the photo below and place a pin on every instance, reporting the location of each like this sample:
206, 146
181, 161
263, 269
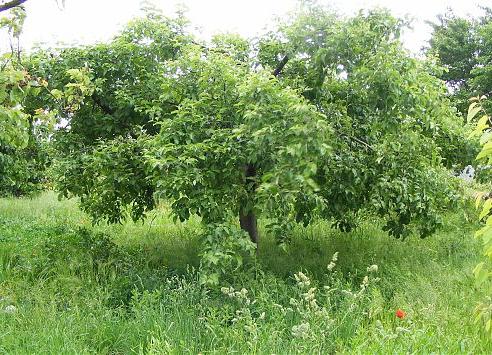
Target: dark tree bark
249, 224
10, 4
247, 217
104, 108
281, 65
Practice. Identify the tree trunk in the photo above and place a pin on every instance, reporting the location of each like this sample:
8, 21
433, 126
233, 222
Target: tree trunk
247, 217
248, 223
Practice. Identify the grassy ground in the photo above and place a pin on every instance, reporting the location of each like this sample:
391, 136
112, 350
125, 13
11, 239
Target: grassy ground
133, 288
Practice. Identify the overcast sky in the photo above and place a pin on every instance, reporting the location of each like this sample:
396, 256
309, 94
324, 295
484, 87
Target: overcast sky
87, 21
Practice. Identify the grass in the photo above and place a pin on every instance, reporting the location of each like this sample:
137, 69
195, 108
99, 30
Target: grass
133, 288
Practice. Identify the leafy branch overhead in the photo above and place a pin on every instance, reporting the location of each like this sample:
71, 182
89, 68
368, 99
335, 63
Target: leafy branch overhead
7, 5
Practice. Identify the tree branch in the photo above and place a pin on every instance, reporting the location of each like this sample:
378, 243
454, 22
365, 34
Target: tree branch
281, 66
357, 140
11, 4
105, 108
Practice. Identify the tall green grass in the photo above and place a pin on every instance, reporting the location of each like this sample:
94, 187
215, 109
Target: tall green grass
133, 288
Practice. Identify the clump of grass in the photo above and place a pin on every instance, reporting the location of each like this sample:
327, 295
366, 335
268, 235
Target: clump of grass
133, 288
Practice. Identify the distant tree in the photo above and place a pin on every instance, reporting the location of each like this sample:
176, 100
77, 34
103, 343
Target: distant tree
482, 73
455, 42
463, 46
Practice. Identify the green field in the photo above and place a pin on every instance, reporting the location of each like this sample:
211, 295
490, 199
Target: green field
134, 288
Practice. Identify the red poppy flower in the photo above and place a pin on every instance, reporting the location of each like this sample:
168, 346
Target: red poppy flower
400, 314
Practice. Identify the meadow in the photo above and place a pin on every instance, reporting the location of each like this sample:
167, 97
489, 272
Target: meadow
67, 286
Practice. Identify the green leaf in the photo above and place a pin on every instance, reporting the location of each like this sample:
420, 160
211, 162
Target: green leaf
485, 209
481, 273
473, 109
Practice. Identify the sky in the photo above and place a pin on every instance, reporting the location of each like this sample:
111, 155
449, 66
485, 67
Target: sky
89, 21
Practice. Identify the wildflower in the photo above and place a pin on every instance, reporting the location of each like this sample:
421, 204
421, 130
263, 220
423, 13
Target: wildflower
243, 295
10, 309
229, 291
302, 280
301, 330
365, 282
348, 293
310, 298
363, 286
400, 313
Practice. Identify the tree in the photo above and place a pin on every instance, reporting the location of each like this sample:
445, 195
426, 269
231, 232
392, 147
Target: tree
481, 81
325, 118
463, 47
22, 156
25, 120
456, 44
148, 92
454, 41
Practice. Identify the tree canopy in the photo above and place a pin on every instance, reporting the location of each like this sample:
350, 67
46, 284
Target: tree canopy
26, 115
463, 46
326, 117
22, 153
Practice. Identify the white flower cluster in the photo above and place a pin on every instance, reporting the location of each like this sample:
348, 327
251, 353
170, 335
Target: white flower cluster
241, 295
310, 298
301, 330
11, 309
244, 315
302, 280
333, 262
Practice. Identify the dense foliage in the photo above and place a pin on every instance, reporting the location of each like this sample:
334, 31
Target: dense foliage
29, 108
463, 46
24, 171
393, 126
23, 155
324, 118
484, 203
322, 125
